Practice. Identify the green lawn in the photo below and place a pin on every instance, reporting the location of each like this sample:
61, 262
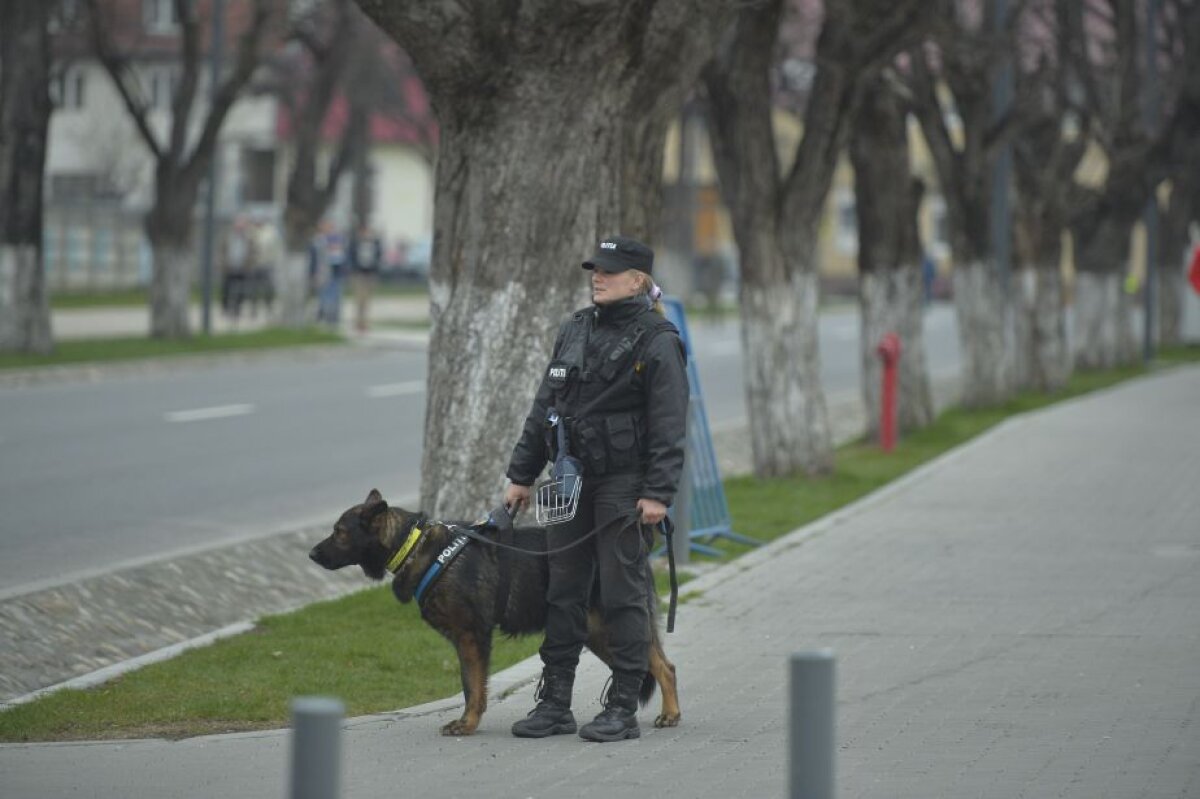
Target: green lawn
377, 655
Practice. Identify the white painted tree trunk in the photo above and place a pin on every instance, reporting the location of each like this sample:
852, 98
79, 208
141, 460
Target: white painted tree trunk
986, 336
292, 290
1172, 282
1045, 360
1102, 334
24, 313
789, 423
891, 301
1025, 288
170, 291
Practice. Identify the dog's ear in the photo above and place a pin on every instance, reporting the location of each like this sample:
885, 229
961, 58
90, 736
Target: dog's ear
375, 504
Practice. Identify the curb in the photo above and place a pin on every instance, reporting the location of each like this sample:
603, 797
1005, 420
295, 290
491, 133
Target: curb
117, 669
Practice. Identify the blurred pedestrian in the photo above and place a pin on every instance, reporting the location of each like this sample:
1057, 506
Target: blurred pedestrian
237, 258
366, 258
327, 261
928, 275
266, 258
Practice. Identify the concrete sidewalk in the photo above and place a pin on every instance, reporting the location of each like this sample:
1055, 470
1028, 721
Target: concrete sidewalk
134, 320
1017, 619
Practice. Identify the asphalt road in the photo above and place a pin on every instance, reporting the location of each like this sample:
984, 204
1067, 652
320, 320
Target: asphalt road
98, 475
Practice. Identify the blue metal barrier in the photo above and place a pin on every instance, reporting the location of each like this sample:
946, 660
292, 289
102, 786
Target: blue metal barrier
707, 512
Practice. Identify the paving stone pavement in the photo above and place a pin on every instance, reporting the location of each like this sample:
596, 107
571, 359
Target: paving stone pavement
1015, 619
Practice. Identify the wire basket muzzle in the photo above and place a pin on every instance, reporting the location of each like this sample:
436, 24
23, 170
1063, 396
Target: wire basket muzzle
558, 497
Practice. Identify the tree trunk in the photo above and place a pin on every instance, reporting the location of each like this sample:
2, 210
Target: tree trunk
531, 172
506, 269
1172, 278
1095, 333
169, 229
300, 218
170, 289
1048, 357
1175, 250
985, 330
24, 122
775, 225
1103, 327
789, 422
292, 289
982, 303
891, 297
964, 167
1043, 357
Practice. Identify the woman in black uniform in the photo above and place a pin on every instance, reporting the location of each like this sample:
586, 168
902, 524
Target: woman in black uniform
622, 364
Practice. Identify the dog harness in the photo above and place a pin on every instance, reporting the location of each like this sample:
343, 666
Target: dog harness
439, 565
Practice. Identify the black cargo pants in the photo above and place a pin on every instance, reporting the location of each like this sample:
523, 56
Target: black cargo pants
618, 559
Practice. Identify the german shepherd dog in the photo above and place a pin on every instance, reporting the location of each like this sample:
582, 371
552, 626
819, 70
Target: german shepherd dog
465, 604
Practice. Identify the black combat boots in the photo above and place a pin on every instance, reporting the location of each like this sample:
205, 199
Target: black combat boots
618, 720
552, 716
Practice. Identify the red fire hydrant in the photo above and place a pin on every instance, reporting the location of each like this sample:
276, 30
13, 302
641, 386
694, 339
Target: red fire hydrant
888, 352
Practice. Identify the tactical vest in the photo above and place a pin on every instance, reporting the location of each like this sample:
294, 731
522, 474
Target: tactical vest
602, 398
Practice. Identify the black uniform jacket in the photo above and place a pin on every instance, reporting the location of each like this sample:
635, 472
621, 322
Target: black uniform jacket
653, 399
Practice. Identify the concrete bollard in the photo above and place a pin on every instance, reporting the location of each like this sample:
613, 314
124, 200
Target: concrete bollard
811, 730
316, 747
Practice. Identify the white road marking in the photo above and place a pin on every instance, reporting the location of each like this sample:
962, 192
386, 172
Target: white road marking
215, 412
396, 389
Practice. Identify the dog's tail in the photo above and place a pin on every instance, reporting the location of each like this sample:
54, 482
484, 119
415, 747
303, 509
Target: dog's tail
648, 686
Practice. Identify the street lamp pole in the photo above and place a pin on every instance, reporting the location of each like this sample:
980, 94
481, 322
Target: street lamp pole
1150, 215
1000, 222
210, 201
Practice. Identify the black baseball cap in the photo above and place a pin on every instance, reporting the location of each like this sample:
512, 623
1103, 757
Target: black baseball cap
618, 253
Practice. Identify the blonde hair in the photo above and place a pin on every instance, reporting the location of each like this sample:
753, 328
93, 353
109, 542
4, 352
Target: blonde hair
647, 286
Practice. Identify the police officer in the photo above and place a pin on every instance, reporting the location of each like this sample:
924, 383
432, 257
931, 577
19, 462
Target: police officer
617, 380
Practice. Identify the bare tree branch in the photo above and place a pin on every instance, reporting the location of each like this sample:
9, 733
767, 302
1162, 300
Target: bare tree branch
932, 117
181, 103
244, 65
121, 72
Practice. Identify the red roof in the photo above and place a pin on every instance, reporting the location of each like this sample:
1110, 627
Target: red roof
415, 126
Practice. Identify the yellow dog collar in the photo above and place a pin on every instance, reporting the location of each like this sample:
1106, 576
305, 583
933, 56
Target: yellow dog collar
399, 557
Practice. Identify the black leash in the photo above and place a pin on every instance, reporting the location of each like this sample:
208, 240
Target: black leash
668, 530
473, 533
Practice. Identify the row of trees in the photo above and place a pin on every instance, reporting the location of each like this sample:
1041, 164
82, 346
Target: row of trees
552, 116
595, 83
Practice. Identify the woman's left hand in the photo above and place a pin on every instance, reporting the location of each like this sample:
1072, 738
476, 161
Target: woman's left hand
652, 511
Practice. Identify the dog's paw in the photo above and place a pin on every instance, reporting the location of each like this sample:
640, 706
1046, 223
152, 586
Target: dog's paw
665, 720
458, 727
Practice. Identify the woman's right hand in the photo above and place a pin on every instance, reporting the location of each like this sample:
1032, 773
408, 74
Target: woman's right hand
516, 497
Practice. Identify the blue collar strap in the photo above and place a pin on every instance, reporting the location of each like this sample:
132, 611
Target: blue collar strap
439, 565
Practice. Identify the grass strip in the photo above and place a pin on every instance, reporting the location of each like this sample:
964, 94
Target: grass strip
377, 655
108, 350
103, 298
68, 299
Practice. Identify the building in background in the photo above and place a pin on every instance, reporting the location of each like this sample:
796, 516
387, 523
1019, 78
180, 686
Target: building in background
99, 172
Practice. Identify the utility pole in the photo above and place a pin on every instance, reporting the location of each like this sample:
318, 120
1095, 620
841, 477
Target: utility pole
1000, 220
210, 201
1150, 215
